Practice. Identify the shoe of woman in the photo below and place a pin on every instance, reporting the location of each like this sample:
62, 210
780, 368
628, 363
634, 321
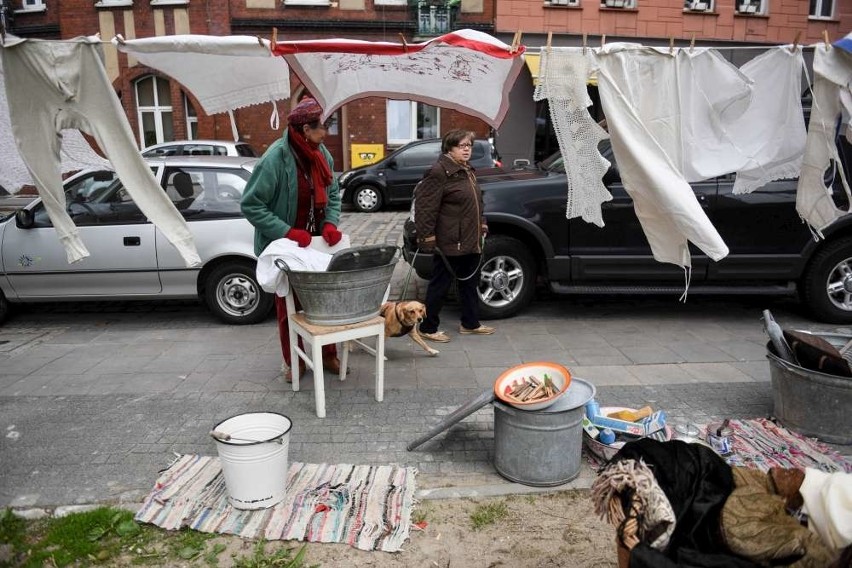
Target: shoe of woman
481, 330
438, 336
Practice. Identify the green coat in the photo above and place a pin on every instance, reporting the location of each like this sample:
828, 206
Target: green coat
271, 195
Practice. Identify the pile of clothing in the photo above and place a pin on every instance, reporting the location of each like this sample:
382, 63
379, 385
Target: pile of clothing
680, 505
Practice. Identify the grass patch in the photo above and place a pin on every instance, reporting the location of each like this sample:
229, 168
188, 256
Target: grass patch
280, 558
488, 514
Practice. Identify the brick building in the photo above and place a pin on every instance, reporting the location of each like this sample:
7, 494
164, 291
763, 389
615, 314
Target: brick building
159, 109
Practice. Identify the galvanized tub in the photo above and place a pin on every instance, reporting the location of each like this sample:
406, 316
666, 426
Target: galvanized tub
542, 448
809, 402
344, 296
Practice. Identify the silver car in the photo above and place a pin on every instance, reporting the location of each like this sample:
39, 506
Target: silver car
199, 148
130, 259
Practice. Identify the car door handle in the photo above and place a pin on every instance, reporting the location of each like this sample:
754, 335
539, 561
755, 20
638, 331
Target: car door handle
132, 241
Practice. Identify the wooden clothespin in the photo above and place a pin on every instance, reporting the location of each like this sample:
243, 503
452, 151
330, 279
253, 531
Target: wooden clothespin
796, 41
274, 38
516, 42
260, 41
692, 43
585, 42
671, 45
825, 38
603, 40
404, 43
549, 40
119, 38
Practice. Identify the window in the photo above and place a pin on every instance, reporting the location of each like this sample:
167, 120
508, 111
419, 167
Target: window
821, 9
618, 4
698, 5
307, 2
419, 155
113, 3
191, 119
562, 2
390, 2
752, 7
206, 192
33, 6
154, 107
410, 120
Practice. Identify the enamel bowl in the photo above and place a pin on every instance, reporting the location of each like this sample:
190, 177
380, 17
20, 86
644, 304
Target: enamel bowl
560, 376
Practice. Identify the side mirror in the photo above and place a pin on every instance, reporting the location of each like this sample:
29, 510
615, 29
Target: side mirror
24, 219
392, 164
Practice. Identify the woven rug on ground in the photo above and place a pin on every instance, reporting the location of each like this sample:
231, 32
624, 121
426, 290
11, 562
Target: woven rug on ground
368, 507
761, 443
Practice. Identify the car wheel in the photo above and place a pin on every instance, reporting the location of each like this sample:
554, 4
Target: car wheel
367, 199
507, 278
234, 296
5, 308
828, 282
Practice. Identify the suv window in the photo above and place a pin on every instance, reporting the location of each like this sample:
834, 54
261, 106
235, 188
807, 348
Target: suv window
478, 150
204, 150
419, 155
246, 151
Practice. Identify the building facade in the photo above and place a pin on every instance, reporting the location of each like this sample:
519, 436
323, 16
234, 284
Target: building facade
160, 109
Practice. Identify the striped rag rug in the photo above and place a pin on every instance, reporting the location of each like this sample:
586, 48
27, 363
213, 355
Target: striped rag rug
368, 507
761, 444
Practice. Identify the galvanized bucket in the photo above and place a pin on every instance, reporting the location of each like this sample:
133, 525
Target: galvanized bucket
542, 448
341, 297
809, 402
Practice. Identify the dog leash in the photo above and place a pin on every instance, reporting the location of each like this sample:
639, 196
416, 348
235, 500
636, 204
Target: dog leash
446, 263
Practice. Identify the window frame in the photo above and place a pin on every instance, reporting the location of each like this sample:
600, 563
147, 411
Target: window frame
412, 123
32, 6
156, 109
691, 6
761, 10
818, 8
562, 3
619, 4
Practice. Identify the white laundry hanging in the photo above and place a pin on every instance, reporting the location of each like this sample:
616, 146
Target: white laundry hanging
562, 82
76, 152
224, 73
832, 77
466, 70
641, 94
54, 85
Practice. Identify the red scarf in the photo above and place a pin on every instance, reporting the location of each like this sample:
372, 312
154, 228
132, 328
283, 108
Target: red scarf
309, 156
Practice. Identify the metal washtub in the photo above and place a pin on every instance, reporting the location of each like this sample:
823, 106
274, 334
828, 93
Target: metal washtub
351, 290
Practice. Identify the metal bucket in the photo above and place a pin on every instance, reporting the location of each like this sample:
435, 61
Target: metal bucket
542, 447
346, 296
811, 403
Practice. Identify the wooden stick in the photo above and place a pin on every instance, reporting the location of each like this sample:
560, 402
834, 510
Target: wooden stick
404, 43
671, 45
274, 37
825, 37
796, 41
603, 40
585, 42
549, 40
692, 43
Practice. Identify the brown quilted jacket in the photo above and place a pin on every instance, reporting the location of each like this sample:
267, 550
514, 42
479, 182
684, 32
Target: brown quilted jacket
448, 209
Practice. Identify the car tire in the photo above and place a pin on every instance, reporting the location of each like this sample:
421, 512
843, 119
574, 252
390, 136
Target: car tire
5, 307
828, 282
367, 198
507, 278
234, 296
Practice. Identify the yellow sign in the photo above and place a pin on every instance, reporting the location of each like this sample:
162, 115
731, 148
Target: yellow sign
363, 154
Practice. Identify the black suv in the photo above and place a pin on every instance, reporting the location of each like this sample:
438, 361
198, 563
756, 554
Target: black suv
771, 249
392, 179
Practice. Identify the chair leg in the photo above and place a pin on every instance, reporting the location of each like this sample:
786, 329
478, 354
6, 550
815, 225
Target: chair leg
319, 379
344, 359
294, 357
380, 367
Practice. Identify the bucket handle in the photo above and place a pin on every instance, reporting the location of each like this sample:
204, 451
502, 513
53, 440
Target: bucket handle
223, 437
282, 266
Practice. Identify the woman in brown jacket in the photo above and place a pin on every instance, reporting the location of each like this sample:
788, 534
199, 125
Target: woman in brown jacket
449, 218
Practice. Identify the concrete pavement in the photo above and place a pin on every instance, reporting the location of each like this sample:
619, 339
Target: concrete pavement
96, 399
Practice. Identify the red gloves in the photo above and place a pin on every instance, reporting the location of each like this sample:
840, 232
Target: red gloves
331, 235
301, 236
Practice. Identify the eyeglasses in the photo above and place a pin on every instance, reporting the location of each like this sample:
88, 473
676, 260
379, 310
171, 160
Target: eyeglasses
465, 145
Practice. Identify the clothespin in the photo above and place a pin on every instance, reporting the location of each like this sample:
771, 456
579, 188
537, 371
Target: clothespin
260, 41
671, 45
796, 41
585, 42
825, 38
274, 38
516, 42
692, 43
603, 40
119, 38
549, 40
404, 43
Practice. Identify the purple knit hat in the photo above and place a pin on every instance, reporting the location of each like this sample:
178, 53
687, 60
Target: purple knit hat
307, 111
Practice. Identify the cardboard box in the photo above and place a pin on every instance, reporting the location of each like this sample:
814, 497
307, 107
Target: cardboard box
590, 428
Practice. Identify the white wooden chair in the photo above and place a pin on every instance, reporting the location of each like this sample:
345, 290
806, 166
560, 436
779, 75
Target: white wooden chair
316, 336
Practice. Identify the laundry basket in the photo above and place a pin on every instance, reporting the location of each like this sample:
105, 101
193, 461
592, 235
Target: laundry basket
353, 288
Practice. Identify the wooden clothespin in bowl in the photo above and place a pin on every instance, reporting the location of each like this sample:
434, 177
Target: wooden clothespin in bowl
404, 43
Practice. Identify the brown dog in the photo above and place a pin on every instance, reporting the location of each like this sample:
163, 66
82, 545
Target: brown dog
401, 318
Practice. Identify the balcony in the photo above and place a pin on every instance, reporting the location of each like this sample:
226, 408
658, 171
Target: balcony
435, 18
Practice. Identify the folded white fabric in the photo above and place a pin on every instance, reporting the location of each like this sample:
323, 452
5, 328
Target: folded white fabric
828, 503
224, 73
313, 258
